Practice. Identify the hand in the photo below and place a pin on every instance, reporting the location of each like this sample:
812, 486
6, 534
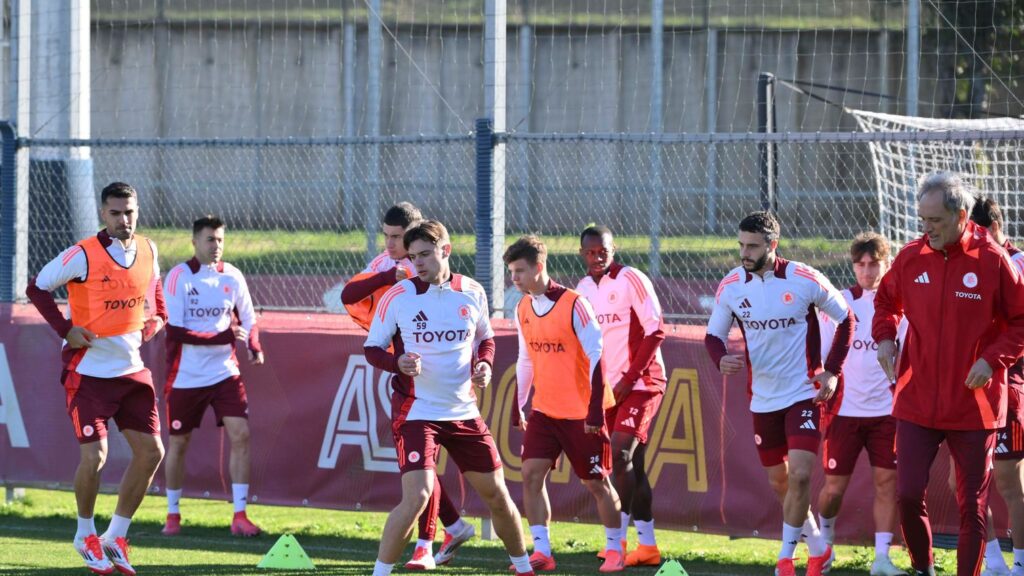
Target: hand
401, 273
409, 364
79, 337
731, 364
887, 359
256, 357
591, 429
825, 382
979, 375
240, 332
482, 375
523, 417
151, 326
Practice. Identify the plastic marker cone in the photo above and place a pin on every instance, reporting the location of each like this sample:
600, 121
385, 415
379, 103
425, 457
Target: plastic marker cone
671, 568
286, 554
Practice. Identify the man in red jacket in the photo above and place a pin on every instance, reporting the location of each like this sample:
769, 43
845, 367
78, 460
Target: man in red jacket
964, 301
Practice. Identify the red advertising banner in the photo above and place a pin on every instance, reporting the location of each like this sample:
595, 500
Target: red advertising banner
321, 435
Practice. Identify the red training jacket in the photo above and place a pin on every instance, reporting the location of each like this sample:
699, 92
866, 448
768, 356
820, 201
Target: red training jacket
964, 304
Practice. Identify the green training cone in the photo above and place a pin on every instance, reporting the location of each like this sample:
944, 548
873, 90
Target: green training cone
286, 554
671, 568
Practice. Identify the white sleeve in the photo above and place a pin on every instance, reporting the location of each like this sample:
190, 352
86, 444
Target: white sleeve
243, 301
385, 324
645, 302
174, 296
69, 265
524, 368
483, 323
826, 297
156, 258
588, 331
721, 321
827, 333
1018, 259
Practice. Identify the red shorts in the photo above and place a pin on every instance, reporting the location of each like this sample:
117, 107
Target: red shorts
130, 400
185, 406
795, 428
635, 414
1010, 439
845, 436
589, 454
468, 442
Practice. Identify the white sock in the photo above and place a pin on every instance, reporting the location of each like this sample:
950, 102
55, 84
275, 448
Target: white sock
611, 537
790, 538
816, 545
173, 501
624, 519
645, 532
239, 495
86, 527
993, 555
541, 540
1018, 558
522, 564
428, 544
828, 528
118, 527
457, 527
382, 569
882, 542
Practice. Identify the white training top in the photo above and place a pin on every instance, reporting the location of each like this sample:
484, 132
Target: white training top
627, 310
777, 315
866, 391
203, 299
444, 325
107, 357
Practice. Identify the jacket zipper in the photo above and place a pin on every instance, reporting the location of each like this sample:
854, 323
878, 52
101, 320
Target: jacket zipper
938, 341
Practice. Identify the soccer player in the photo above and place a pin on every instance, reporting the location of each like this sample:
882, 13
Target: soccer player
964, 300
560, 358
361, 295
775, 301
203, 296
860, 416
629, 314
108, 277
437, 322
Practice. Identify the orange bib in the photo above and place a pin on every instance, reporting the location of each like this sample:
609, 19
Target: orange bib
362, 311
112, 300
561, 377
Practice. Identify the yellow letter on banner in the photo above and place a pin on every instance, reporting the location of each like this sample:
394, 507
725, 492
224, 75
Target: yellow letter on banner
682, 401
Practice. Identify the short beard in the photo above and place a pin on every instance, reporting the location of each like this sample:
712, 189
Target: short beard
759, 264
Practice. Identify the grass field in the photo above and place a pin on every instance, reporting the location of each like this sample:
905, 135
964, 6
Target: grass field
35, 536
319, 252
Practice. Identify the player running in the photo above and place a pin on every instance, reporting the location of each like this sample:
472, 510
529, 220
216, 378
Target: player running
775, 302
360, 296
203, 296
438, 323
629, 313
112, 278
560, 358
860, 415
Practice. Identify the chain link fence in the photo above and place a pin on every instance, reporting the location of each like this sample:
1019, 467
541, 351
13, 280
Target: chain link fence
298, 212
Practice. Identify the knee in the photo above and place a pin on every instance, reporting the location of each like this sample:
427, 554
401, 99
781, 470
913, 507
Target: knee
533, 479
621, 461
907, 493
93, 461
416, 501
799, 479
240, 438
832, 493
599, 488
153, 453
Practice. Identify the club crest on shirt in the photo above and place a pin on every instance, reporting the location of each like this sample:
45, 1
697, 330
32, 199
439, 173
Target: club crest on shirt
787, 298
464, 312
970, 279
613, 297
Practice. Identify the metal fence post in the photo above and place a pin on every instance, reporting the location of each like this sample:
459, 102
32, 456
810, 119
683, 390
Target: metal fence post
767, 151
8, 214
484, 205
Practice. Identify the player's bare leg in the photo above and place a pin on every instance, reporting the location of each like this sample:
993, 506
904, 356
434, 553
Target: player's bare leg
796, 515
416, 488
238, 434
642, 512
624, 447
830, 500
1009, 481
147, 452
608, 510
92, 457
174, 477
537, 507
504, 515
